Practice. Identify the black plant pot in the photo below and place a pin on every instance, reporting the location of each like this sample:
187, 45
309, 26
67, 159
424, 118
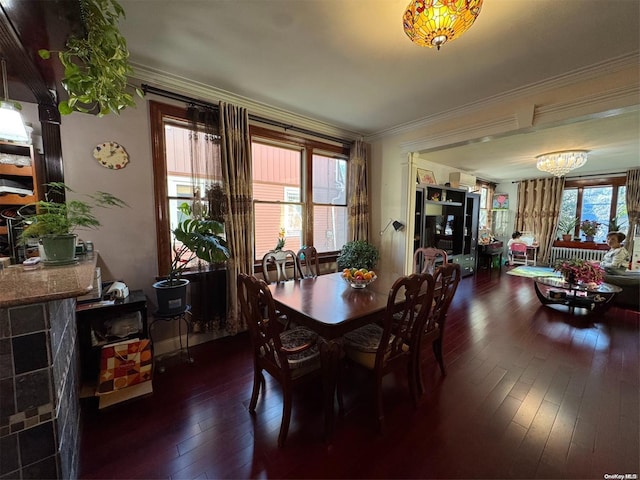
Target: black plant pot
172, 299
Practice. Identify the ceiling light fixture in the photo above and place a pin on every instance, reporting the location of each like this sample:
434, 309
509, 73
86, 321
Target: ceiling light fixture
11, 124
561, 163
432, 23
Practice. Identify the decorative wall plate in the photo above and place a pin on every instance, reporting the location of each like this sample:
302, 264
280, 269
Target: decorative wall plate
111, 155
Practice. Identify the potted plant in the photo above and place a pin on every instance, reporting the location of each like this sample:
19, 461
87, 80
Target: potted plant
566, 227
590, 229
614, 226
576, 270
358, 254
193, 238
54, 223
96, 65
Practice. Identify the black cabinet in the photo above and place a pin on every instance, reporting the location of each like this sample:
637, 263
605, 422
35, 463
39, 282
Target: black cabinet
102, 323
447, 218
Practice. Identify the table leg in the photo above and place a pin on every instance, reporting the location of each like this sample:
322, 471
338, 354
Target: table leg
330, 353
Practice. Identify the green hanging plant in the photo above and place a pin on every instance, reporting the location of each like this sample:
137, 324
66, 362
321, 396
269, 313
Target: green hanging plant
96, 66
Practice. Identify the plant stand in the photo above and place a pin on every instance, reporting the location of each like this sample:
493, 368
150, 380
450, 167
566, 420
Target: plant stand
171, 317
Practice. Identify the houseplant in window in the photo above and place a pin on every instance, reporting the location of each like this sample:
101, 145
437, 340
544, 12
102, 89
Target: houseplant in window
358, 254
590, 229
566, 227
615, 225
194, 238
54, 223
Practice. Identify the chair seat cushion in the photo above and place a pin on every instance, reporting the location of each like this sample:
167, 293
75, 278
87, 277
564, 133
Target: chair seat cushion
362, 344
296, 337
365, 339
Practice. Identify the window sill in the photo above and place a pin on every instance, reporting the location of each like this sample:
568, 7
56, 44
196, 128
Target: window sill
583, 245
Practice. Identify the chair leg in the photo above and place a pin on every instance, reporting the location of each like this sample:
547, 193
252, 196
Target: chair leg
258, 379
413, 382
339, 390
286, 415
379, 407
437, 351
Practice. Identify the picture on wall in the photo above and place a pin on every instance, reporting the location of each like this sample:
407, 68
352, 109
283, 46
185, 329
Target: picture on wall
426, 177
500, 201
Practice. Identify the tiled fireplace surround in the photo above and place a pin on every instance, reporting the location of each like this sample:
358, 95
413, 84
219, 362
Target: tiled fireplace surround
39, 416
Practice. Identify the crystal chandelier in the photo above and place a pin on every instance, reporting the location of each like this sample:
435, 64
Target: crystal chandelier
561, 163
431, 23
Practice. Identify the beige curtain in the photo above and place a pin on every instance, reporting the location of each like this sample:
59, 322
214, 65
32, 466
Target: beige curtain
235, 145
358, 192
633, 205
538, 211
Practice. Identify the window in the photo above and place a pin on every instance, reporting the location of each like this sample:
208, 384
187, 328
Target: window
299, 185
171, 140
483, 220
602, 200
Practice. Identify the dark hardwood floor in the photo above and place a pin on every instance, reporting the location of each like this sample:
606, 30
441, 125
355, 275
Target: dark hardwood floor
531, 392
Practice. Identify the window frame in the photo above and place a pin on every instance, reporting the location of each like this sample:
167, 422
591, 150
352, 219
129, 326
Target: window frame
308, 147
160, 112
581, 183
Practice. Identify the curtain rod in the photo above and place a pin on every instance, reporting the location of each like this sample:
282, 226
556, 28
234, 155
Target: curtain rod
599, 175
183, 98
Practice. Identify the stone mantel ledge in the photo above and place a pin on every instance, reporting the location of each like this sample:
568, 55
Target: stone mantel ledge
22, 287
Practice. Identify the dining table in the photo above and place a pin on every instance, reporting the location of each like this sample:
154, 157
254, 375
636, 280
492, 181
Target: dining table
330, 307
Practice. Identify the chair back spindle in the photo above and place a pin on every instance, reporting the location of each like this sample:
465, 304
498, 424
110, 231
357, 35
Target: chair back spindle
308, 262
287, 266
425, 260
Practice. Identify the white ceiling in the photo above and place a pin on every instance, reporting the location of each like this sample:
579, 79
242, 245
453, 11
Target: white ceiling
349, 63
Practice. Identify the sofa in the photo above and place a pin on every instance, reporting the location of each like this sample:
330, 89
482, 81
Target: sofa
630, 284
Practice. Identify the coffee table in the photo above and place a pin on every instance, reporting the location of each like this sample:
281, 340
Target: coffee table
593, 297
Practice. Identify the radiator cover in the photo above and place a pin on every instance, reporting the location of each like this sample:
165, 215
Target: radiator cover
558, 253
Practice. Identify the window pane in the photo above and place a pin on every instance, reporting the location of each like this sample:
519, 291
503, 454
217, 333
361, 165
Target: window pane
483, 197
596, 205
329, 228
569, 205
622, 218
329, 180
274, 168
269, 218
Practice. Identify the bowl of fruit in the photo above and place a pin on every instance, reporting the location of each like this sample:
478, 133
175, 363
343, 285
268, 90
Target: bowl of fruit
358, 277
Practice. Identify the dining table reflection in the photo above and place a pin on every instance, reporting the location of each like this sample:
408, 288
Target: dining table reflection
331, 307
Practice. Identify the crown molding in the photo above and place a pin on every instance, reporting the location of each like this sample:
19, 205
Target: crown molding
463, 134
616, 99
209, 93
597, 70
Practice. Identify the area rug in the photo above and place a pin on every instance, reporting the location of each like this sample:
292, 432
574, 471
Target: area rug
530, 271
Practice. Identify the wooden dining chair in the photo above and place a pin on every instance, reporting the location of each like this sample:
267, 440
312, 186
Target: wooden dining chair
446, 279
396, 343
290, 356
308, 262
286, 265
426, 259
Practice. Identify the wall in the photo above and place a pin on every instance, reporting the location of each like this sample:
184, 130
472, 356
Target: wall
126, 240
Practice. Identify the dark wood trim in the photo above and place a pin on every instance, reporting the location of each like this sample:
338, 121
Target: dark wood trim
157, 113
583, 245
592, 182
269, 134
